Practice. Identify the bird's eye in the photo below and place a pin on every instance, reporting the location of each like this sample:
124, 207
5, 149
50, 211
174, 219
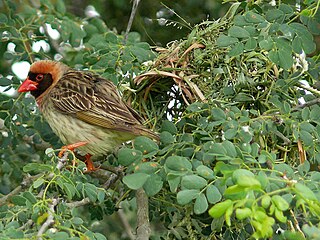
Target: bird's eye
39, 77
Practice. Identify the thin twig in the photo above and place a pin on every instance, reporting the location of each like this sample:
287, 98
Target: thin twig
133, 13
306, 104
83, 202
125, 223
27, 181
112, 179
143, 224
50, 219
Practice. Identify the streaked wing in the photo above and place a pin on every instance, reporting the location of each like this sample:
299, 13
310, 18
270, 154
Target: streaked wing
93, 100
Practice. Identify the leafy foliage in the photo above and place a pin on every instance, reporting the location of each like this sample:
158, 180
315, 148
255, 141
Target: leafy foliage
235, 104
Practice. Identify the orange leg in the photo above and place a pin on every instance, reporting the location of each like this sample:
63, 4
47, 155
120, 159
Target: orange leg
89, 163
71, 147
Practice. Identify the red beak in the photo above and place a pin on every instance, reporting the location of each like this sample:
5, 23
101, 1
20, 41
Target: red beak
27, 86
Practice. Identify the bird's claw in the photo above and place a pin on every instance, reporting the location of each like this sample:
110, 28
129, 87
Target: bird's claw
89, 164
71, 147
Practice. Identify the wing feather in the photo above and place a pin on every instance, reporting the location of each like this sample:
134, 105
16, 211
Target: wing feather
94, 100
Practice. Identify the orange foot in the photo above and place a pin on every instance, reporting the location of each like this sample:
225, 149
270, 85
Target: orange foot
71, 147
89, 163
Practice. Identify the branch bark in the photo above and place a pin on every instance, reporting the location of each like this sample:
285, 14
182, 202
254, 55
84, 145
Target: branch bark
133, 13
125, 224
50, 219
28, 180
143, 224
80, 203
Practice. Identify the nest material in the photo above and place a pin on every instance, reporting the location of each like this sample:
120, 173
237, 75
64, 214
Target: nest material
203, 71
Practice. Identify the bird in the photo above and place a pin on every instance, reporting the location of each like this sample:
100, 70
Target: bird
83, 109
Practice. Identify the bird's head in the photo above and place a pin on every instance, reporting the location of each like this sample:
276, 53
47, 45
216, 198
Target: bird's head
42, 76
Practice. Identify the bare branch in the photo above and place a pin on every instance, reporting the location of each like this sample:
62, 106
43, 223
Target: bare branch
27, 181
306, 104
50, 219
133, 13
15, 191
111, 180
143, 224
125, 223
83, 202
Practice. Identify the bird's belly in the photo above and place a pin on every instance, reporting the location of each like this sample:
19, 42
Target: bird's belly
100, 141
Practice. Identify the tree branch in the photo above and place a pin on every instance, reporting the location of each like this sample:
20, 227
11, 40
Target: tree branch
133, 13
50, 219
125, 223
143, 224
28, 180
83, 202
306, 104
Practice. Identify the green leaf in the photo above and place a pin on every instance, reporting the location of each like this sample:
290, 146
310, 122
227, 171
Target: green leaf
153, 185
70, 190
145, 145
242, 213
266, 44
235, 192
306, 38
89, 189
169, 127
251, 44
285, 59
99, 236
5, 82
186, 196
265, 201
253, 17
77, 221
279, 215
193, 182
201, 204
220, 208
38, 182
280, 202
178, 163
249, 182
166, 138
101, 195
126, 156
305, 192
37, 167
315, 113
236, 50
274, 14
218, 114
230, 133
205, 172
61, 8
18, 200
213, 194
136, 180
58, 235
225, 41
30, 197
306, 138
147, 167
238, 32
173, 181
239, 173
3, 18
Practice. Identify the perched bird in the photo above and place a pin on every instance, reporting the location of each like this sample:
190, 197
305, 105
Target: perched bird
83, 108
